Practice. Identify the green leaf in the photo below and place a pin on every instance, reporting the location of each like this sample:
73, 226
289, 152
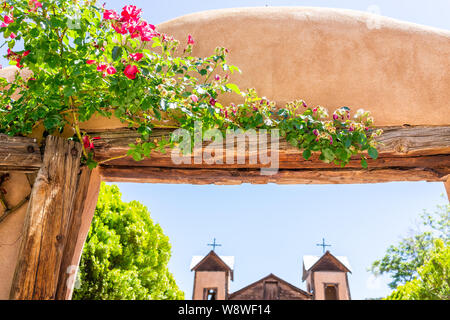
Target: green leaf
364, 163
328, 154
373, 153
233, 88
116, 52
306, 154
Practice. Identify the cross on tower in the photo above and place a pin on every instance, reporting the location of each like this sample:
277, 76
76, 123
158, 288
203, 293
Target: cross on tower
323, 245
214, 244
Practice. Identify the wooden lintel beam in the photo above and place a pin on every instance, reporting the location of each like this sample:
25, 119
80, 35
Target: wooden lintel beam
19, 154
254, 176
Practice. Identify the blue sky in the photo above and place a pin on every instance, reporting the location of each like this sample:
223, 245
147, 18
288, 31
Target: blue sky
268, 228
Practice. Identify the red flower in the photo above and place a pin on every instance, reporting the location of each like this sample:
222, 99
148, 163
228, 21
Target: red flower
91, 61
190, 40
212, 101
101, 67
110, 15
130, 13
119, 27
111, 70
130, 71
86, 142
26, 53
8, 19
136, 56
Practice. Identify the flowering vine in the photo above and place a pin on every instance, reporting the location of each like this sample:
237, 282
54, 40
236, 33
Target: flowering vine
117, 64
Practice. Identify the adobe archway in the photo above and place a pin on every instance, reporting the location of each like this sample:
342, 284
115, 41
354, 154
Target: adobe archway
399, 71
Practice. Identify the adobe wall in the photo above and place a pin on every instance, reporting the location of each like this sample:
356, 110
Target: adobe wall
209, 279
17, 188
400, 71
325, 277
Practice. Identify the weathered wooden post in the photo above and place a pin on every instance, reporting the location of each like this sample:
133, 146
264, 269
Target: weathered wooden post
83, 212
46, 225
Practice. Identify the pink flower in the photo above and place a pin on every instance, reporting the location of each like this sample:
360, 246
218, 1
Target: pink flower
190, 40
331, 140
351, 128
217, 77
130, 13
130, 71
194, 98
101, 67
3, 25
316, 132
111, 70
136, 56
110, 15
335, 116
120, 27
12, 35
212, 101
8, 19
36, 4
304, 104
91, 61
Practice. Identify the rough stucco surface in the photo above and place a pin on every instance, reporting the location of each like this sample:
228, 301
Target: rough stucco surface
11, 229
209, 279
399, 71
325, 277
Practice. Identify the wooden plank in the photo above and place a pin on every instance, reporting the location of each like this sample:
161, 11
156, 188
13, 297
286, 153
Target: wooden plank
84, 208
447, 187
401, 146
47, 221
254, 176
414, 147
19, 154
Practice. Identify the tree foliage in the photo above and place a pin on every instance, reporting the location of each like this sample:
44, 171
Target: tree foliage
126, 254
402, 261
433, 281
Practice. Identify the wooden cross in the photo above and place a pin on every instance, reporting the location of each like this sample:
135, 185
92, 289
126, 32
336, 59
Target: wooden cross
214, 244
323, 245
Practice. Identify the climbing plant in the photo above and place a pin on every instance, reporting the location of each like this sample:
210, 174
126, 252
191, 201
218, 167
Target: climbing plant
87, 60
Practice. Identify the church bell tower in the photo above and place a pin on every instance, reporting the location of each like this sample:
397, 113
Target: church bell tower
326, 277
212, 276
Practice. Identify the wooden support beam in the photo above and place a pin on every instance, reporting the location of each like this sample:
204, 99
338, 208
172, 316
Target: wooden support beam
447, 187
283, 176
19, 154
83, 212
47, 221
415, 147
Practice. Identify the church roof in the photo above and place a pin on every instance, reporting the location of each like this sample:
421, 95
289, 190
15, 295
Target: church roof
310, 262
227, 262
271, 276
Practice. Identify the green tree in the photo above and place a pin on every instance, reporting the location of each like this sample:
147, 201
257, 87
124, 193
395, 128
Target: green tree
433, 281
402, 261
126, 254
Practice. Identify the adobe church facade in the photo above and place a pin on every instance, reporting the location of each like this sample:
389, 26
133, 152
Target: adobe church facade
326, 279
